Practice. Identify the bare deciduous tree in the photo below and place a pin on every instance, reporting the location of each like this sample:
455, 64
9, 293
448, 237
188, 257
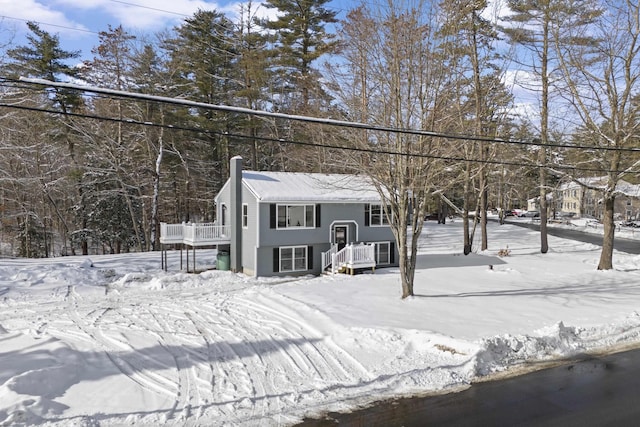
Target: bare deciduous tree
601, 69
530, 27
392, 78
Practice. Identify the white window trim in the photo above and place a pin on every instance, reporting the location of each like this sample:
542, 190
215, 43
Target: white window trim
339, 223
377, 249
293, 264
223, 214
383, 216
301, 227
245, 215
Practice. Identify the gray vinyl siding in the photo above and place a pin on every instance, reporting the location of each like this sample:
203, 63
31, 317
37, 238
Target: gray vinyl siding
249, 234
266, 260
329, 213
259, 239
222, 199
376, 234
319, 238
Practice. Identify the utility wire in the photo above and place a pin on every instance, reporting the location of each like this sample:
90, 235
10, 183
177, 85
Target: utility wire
308, 144
232, 109
308, 119
148, 8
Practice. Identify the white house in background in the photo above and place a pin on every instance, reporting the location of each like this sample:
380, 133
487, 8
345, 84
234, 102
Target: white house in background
284, 223
533, 204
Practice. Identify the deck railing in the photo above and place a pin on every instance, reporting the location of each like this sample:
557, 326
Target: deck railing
171, 233
328, 256
194, 233
353, 256
206, 232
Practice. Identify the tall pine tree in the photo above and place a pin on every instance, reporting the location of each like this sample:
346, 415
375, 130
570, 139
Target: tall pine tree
43, 57
301, 38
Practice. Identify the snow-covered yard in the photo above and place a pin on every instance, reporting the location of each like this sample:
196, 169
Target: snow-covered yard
113, 340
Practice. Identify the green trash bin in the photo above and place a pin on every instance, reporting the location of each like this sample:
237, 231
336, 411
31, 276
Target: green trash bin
222, 261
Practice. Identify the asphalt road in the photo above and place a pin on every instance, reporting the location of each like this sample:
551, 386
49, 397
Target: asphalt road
624, 245
591, 391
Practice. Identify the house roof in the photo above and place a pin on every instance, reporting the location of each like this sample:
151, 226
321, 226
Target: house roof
599, 182
628, 189
309, 187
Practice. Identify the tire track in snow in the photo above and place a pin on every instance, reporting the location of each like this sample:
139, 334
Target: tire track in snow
233, 357
333, 357
286, 364
169, 322
283, 360
137, 367
303, 324
190, 392
232, 384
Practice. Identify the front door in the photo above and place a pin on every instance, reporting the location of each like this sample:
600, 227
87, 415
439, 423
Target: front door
340, 236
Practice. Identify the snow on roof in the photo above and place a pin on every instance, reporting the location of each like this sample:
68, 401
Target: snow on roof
593, 181
623, 187
628, 189
309, 187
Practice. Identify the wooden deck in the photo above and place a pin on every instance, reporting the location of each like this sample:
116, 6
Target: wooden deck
195, 234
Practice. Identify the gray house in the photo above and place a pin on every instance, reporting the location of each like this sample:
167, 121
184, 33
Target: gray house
283, 223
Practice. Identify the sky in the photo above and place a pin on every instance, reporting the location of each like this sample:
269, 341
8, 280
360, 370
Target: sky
78, 22
114, 340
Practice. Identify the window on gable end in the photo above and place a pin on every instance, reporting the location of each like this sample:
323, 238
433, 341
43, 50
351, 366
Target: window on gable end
245, 215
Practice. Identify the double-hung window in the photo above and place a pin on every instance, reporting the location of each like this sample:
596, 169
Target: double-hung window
377, 216
223, 220
383, 253
296, 216
293, 258
245, 215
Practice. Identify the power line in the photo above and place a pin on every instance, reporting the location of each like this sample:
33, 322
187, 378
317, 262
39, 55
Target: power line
148, 8
50, 25
308, 144
241, 110
307, 119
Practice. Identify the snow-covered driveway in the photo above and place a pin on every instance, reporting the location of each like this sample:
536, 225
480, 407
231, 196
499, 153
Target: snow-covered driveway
172, 348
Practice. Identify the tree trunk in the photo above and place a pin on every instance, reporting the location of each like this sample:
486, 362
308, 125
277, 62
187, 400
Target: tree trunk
484, 204
606, 256
155, 220
544, 243
465, 209
407, 273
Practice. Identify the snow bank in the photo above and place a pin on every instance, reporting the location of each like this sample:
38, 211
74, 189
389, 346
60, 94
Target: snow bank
553, 342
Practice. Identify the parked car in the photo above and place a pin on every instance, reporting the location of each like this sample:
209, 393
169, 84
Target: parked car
530, 214
632, 224
565, 215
